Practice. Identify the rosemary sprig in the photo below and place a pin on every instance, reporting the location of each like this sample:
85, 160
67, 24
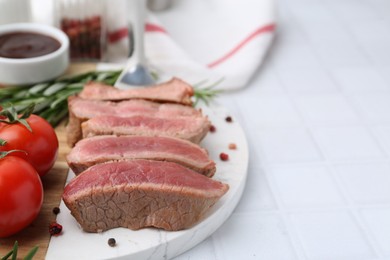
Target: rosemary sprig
50, 98
206, 93
13, 253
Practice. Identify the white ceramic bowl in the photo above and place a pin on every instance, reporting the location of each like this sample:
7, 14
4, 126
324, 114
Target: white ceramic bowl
37, 69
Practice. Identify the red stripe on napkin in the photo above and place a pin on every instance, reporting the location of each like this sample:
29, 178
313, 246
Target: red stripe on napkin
123, 32
154, 28
117, 35
259, 31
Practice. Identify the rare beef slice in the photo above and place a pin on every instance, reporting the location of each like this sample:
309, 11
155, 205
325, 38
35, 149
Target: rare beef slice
187, 128
140, 193
174, 91
81, 110
98, 149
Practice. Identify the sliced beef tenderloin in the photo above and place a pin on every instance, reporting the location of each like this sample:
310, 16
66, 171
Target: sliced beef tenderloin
191, 129
140, 193
175, 91
81, 110
86, 108
98, 149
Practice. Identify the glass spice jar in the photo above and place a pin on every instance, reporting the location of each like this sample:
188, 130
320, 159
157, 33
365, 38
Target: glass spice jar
84, 23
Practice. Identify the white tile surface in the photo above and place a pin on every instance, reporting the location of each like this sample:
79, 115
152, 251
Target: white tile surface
306, 186
205, 250
327, 27
378, 220
340, 54
257, 195
380, 7
267, 84
264, 234
351, 11
271, 111
287, 145
307, 81
348, 143
384, 71
366, 183
295, 56
331, 235
308, 12
374, 107
368, 30
291, 31
360, 80
383, 134
326, 109
377, 51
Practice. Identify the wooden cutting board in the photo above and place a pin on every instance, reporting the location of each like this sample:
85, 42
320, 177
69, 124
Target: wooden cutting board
37, 234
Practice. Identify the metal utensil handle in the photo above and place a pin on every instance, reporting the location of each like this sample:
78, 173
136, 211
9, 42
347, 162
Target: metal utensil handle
138, 14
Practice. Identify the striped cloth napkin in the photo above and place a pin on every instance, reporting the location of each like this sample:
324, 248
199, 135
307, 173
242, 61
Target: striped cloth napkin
203, 40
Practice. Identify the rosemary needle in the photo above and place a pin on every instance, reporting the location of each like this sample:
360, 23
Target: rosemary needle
14, 253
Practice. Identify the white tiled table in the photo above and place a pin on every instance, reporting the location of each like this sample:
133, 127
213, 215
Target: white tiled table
317, 115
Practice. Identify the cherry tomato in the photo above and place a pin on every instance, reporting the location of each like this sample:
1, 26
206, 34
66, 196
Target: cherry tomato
40, 145
21, 194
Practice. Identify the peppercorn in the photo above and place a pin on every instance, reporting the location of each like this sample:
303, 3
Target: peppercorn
232, 146
111, 242
56, 210
212, 128
224, 156
55, 229
229, 119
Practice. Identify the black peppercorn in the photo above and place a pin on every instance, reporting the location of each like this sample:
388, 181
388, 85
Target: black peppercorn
112, 242
56, 210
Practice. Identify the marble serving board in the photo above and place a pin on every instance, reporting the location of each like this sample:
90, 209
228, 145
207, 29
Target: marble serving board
151, 243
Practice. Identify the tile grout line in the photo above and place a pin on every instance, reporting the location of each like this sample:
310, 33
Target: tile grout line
347, 200
350, 207
355, 210
297, 248
295, 236
348, 96
355, 40
368, 235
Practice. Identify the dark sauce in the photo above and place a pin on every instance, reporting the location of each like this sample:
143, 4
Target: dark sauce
20, 45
